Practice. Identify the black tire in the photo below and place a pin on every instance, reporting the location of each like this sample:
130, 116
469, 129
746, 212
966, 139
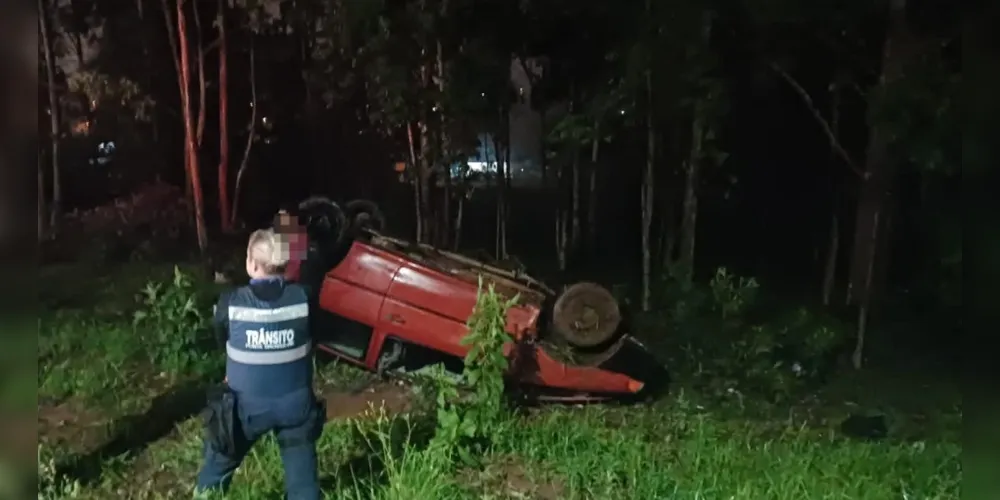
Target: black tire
364, 214
324, 220
586, 315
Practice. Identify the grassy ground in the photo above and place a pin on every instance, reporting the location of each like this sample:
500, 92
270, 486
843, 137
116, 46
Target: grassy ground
117, 419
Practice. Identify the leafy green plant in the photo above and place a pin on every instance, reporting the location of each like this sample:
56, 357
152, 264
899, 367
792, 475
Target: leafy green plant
50, 485
171, 321
469, 414
732, 294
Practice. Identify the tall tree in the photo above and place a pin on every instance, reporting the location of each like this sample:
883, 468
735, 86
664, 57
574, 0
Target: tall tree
175, 56
648, 185
223, 171
44, 12
191, 163
251, 137
876, 204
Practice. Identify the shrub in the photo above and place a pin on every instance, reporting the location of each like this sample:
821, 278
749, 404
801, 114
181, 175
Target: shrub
777, 356
731, 294
50, 485
470, 411
173, 326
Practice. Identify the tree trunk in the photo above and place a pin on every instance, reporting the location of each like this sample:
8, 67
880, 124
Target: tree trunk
506, 179
444, 154
501, 180
575, 200
415, 176
880, 170
498, 213
202, 111
830, 270
426, 186
149, 67
458, 222
426, 154
175, 53
498, 224
833, 242
648, 181
190, 148
561, 235
42, 216
444, 232
857, 356
543, 160
592, 189
223, 172
647, 190
689, 214
79, 19
561, 226
689, 221
50, 70
251, 131
668, 239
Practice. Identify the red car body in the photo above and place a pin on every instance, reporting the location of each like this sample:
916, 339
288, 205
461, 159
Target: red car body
391, 295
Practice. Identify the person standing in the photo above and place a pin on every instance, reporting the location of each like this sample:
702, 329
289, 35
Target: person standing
268, 387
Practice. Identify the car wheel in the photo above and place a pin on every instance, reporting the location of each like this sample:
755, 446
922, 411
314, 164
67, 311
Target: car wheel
586, 315
324, 220
364, 214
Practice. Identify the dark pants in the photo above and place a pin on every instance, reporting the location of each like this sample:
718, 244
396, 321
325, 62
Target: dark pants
295, 419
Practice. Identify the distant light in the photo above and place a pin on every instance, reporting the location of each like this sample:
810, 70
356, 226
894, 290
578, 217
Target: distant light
520, 91
623, 111
483, 94
435, 108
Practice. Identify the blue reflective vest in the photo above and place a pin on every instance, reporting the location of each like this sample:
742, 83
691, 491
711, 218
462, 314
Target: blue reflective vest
268, 344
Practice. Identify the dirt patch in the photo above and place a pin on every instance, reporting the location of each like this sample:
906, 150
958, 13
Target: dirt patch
512, 476
394, 398
71, 426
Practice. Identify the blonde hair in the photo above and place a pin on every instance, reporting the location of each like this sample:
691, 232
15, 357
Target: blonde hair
269, 250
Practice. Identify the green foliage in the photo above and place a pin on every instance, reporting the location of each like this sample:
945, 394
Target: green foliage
775, 356
171, 321
732, 294
920, 111
782, 356
467, 422
50, 485
112, 95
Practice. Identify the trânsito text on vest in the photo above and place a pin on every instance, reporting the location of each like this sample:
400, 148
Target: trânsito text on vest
270, 339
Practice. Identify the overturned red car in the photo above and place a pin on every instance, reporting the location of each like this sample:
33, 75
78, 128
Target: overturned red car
391, 306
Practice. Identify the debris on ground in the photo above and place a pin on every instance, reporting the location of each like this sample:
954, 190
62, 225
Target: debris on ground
393, 398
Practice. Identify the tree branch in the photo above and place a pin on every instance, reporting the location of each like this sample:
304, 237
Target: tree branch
830, 135
212, 46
